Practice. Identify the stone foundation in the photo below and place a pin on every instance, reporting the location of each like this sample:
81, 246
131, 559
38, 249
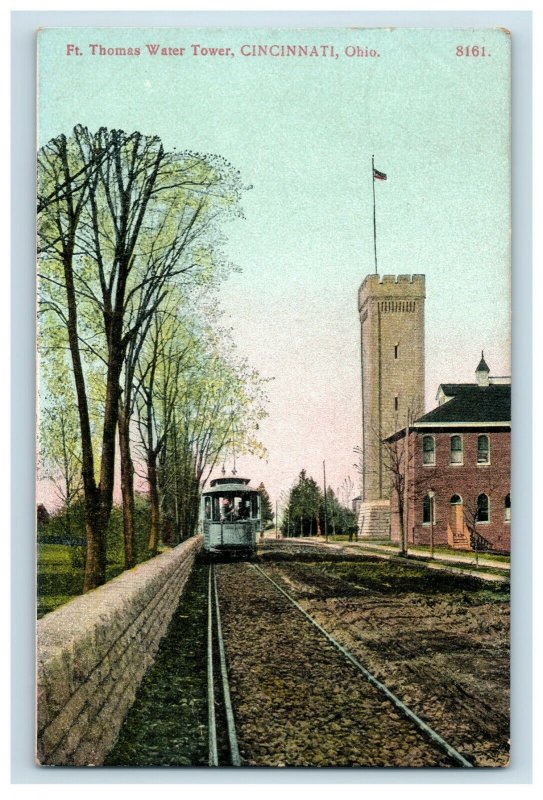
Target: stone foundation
374, 520
94, 651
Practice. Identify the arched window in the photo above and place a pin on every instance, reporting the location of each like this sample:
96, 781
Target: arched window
456, 450
428, 450
483, 449
507, 515
456, 500
426, 510
483, 514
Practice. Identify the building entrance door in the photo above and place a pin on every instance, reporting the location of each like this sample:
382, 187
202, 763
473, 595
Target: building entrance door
457, 532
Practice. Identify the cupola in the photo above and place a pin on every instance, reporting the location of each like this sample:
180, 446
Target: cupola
482, 371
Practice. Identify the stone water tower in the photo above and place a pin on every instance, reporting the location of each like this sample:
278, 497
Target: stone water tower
392, 335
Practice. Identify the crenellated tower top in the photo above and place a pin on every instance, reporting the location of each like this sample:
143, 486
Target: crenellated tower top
391, 286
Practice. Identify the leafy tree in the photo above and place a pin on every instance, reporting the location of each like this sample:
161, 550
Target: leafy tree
341, 520
303, 512
196, 400
266, 509
60, 452
119, 221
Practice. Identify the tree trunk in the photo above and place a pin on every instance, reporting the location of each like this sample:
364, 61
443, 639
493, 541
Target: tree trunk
403, 544
95, 528
154, 528
127, 490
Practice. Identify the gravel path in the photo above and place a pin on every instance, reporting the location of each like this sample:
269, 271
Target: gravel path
297, 701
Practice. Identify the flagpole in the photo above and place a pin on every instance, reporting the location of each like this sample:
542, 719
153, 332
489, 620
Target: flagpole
374, 221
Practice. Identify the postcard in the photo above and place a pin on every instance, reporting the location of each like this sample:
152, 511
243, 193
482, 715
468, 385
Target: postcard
274, 397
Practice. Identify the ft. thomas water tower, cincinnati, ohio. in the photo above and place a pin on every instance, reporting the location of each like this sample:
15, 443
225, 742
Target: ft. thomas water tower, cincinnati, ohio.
391, 311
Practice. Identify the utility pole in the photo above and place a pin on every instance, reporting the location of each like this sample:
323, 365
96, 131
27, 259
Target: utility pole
432, 495
276, 522
325, 503
405, 527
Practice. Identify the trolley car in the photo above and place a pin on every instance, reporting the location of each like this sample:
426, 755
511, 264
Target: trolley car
230, 516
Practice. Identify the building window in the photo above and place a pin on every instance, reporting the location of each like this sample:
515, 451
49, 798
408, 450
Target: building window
428, 450
428, 510
456, 450
483, 513
483, 449
507, 515
456, 500
396, 350
396, 403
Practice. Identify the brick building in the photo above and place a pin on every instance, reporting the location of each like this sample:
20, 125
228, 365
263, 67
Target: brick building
459, 465
391, 309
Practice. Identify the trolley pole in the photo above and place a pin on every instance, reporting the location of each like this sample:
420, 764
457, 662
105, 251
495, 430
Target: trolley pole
325, 503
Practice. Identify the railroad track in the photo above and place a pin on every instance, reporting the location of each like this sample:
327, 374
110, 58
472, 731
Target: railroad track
487, 714
215, 637
419, 723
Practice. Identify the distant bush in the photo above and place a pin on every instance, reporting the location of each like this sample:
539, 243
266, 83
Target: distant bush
62, 551
67, 526
115, 531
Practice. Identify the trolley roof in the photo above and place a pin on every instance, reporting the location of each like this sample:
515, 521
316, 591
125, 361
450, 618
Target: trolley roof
223, 485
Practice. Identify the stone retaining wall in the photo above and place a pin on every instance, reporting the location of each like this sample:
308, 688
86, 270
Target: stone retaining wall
94, 651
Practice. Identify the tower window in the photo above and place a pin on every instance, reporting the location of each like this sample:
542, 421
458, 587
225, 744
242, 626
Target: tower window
483, 450
396, 350
396, 403
457, 456
507, 516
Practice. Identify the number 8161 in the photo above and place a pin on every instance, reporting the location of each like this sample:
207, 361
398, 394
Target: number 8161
474, 50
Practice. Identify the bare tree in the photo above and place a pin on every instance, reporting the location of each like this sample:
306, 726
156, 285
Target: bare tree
395, 454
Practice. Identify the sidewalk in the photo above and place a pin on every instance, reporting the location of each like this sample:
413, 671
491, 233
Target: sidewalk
424, 553
444, 562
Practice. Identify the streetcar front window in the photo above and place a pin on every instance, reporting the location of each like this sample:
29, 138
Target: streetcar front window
244, 509
228, 510
216, 508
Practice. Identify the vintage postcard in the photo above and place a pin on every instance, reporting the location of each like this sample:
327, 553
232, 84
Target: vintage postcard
274, 397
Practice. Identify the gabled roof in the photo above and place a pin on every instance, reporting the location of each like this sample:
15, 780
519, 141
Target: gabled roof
471, 403
452, 389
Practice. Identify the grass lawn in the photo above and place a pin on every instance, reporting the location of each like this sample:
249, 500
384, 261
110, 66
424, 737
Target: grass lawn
438, 551
60, 574
464, 553
58, 579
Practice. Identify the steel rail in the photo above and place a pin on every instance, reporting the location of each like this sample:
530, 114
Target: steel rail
211, 720
405, 710
229, 712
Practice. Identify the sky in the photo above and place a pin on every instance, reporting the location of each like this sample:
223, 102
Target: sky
302, 132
